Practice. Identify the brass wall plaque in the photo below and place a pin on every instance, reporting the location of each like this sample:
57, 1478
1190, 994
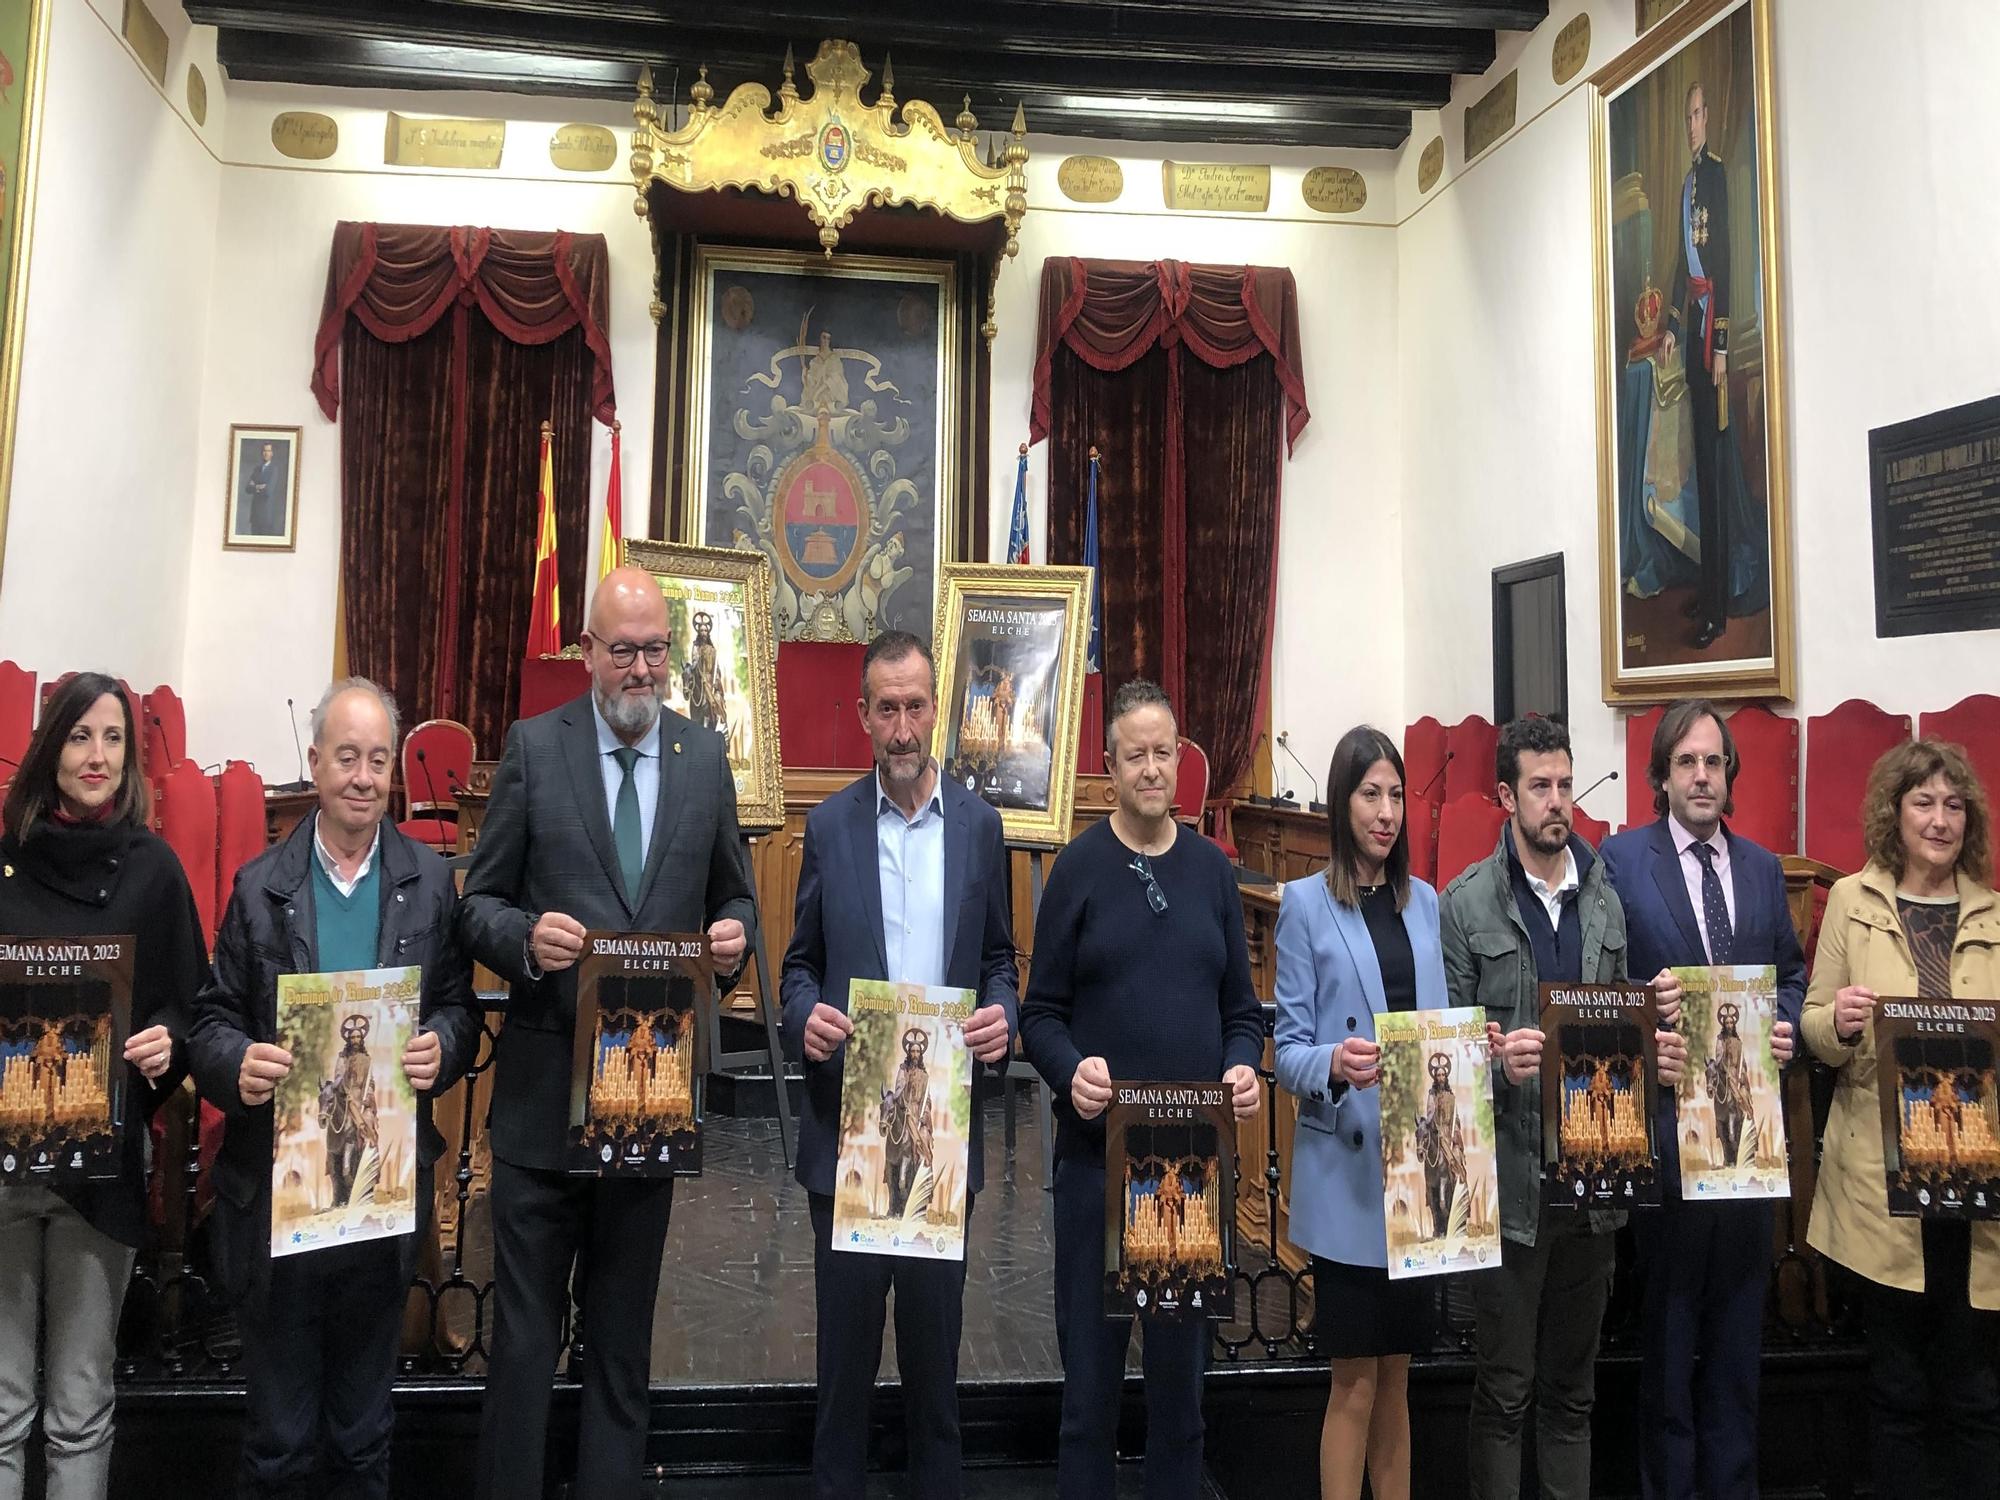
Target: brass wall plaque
197, 95
1649, 13
1492, 116
1334, 190
1090, 179
583, 148
1216, 185
148, 39
1430, 166
469, 144
1572, 49
305, 136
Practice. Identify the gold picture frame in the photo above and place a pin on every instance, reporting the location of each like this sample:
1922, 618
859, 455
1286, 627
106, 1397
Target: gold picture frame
24, 38
1010, 645
836, 380
734, 590
260, 507
1688, 283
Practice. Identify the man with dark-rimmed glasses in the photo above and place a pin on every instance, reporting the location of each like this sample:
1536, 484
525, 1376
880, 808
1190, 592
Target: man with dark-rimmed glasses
1140, 974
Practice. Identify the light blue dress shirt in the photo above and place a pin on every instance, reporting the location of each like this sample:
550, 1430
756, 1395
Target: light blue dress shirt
645, 776
909, 858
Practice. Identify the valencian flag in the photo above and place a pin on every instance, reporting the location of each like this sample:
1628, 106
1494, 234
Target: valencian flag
1094, 657
614, 511
1017, 532
545, 619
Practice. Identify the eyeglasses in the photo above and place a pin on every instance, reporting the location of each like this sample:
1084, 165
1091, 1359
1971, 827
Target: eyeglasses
622, 653
1688, 761
1155, 897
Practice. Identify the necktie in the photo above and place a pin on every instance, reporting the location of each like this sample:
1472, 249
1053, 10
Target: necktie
625, 833
1714, 909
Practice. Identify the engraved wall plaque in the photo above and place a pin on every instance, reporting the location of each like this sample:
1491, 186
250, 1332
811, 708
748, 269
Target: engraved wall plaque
1430, 166
1492, 116
583, 148
148, 39
1935, 483
197, 95
468, 145
304, 135
1217, 186
1090, 179
1572, 49
1334, 190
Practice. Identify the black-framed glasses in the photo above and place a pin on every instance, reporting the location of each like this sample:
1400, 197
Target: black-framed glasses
1155, 897
623, 653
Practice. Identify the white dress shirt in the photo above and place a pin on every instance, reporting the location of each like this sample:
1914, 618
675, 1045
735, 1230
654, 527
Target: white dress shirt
1690, 862
332, 867
645, 776
909, 860
1551, 896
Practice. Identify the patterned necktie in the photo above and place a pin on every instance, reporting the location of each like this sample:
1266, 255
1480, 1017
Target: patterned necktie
625, 834
1714, 909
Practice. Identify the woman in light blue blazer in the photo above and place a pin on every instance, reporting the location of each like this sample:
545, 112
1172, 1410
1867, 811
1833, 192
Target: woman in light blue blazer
1356, 940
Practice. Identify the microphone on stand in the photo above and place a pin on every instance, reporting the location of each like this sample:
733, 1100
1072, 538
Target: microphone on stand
298, 749
161, 725
430, 790
1437, 773
1607, 776
1284, 743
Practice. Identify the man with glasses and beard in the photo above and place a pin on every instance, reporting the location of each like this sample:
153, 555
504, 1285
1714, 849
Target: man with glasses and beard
903, 877
610, 813
1538, 910
1141, 975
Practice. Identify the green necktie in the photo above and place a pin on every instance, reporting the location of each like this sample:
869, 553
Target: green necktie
625, 832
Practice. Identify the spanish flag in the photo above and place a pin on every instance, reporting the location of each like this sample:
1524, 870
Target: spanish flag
614, 513
545, 620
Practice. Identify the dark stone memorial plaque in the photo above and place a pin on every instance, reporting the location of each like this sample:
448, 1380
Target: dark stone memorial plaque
1936, 483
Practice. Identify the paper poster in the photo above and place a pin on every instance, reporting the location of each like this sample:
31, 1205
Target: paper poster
905, 1114
1598, 1096
65, 1008
636, 1096
1934, 1070
1440, 1177
1731, 1120
344, 1128
1169, 1200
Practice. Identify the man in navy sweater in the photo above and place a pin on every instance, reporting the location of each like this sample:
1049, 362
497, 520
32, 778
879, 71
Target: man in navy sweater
1697, 894
1140, 973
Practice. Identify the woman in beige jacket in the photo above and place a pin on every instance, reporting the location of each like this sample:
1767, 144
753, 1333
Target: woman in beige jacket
1921, 921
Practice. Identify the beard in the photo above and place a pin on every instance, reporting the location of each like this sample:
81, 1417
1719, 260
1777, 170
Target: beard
1549, 837
894, 776
628, 713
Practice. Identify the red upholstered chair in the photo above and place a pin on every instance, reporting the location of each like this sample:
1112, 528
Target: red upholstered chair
240, 835
1972, 723
437, 760
1468, 828
17, 716
187, 823
1423, 758
1469, 773
1420, 817
164, 732
1639, 729
1767, 781
1191, 792
1841, 747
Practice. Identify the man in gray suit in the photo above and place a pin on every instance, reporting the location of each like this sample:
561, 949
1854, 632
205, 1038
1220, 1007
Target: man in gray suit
608, 813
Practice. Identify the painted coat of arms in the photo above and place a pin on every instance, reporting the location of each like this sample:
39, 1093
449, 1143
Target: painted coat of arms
823, 412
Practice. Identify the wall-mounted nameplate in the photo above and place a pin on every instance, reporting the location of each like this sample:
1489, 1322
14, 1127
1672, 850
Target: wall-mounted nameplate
1430, 166
470, 145
1334, 190
583, 148
305, 136
1218, 186
197, 95
1090, 179
1572, 49
1936, 490
1649, 13
147, 38
1492, 116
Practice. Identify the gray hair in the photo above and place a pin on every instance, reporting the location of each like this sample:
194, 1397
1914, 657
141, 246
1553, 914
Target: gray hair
1129, 699
355, 685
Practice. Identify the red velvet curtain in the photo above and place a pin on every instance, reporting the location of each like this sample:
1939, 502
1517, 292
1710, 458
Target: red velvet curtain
1188, 489
454, 346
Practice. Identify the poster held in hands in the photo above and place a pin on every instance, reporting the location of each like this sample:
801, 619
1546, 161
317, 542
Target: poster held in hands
635, 1101
1169, 1200
1598, 1096
1440, 1176
65, 1010
1935, 1073
1729, 1111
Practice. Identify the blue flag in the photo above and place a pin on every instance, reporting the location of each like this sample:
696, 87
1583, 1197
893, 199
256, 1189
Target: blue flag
1094, 657
1017, 532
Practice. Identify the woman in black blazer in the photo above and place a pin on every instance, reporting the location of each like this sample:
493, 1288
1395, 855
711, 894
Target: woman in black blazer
77, 860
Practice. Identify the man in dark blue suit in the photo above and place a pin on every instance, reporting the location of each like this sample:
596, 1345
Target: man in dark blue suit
904, 877
1697, 894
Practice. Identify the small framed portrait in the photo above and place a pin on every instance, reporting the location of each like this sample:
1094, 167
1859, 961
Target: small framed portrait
262, 512
722, 661
1010, 646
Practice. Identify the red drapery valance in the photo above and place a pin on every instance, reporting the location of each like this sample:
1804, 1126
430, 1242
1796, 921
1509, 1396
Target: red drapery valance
398, 280
1111, 312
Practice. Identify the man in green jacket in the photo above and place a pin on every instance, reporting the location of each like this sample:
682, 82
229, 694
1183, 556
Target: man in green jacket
1537, 910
